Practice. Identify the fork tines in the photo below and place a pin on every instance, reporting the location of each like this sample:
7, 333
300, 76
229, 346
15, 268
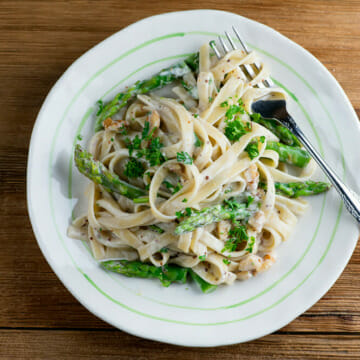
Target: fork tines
249, 70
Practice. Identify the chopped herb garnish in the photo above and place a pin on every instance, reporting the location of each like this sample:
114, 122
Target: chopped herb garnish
226, 261
179, 214
184, 200
177, 188
232, 203
198, 142
229, 190
153, 154
210, 99
164, 250
158, 230
262, 139
184, 157
233, 110
122, 130
79, 137
145, 131
168, 184
134, 168
112, 139
133, 145
172, 187
250, 244
237, 235
202, 257
235, 129
250, 200
252, 149
224, 104
196, 116
188, 211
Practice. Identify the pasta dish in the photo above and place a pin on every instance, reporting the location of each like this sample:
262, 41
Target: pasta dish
194, 184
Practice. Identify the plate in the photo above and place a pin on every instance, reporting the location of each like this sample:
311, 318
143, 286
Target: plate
308, 263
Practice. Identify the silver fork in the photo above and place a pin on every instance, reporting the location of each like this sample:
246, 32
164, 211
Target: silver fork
276, 109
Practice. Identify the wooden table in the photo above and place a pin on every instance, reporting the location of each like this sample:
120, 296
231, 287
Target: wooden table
39, 318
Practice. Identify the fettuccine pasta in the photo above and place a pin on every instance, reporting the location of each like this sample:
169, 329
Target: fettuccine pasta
207, 174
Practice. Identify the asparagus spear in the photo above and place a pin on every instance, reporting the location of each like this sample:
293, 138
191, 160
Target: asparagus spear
212, 214
193, 62
205, 287
167, 274
97, 172
296, 189
283, 133
158, 81
289, 154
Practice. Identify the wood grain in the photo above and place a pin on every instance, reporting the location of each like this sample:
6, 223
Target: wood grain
39, 318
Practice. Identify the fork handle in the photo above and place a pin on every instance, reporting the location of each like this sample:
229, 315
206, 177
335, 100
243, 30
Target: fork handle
349, 197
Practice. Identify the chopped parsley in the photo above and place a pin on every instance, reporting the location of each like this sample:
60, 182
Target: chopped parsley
134, 168
226, 261
146, 135
250, 200
210, 99
250, 245
198, 142
186, 212
101, 107
184, 200
79, 137
173, 188
184, 157
262, 139
202, 257
233, 110
164, 250
252, 149
158, 230
229, 190
196, 116
224, 104
235, 129
232, 204
153, 153
145, 131
133, 145
236, 236
122, 130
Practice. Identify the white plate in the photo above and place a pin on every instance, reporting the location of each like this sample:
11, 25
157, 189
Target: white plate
308, 263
